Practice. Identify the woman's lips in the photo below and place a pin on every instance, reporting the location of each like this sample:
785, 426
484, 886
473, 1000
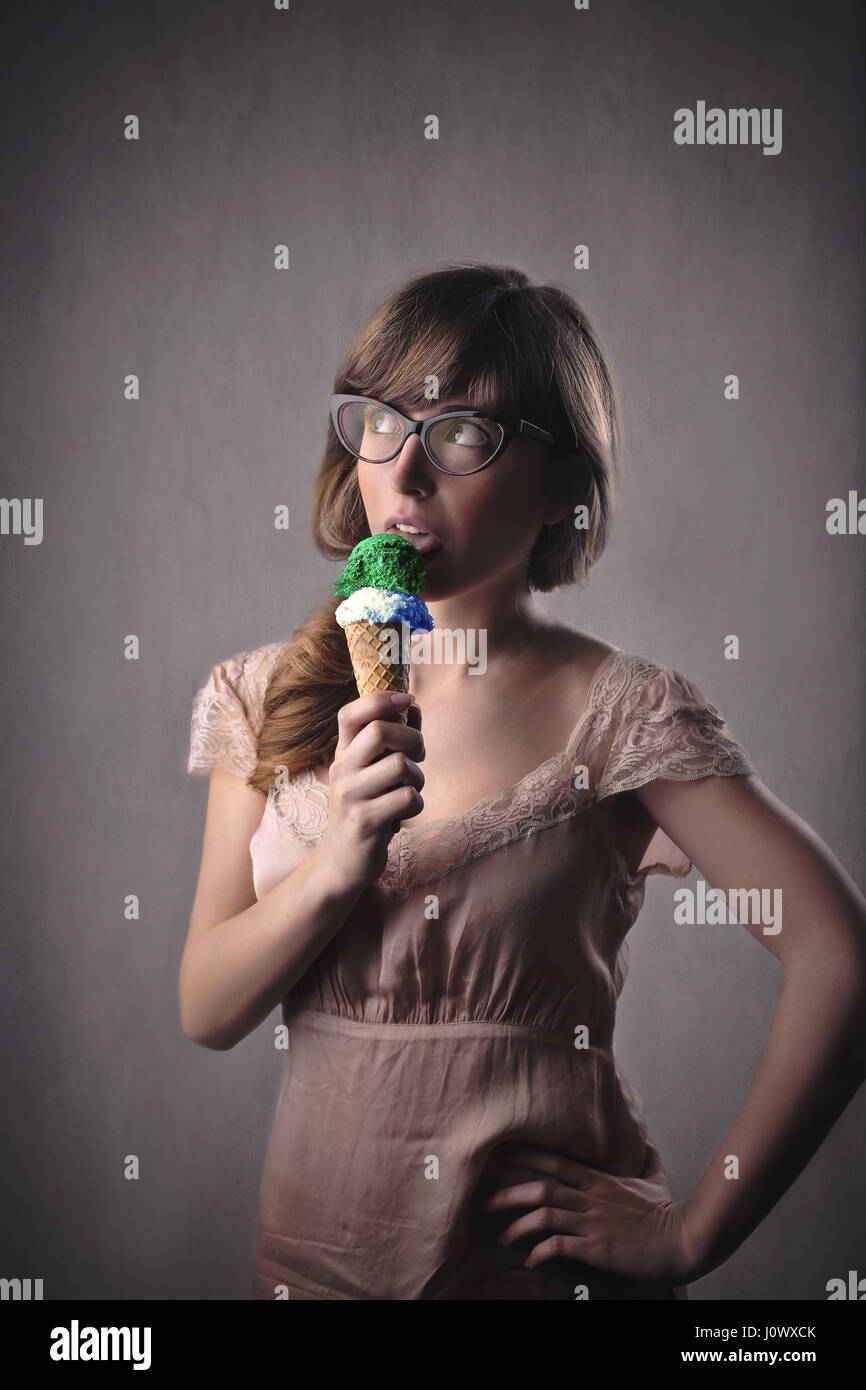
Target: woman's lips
424, 543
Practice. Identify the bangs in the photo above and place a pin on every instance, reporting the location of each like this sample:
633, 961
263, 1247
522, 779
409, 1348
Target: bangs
484, 351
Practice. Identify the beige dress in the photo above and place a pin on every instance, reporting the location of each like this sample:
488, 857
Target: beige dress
447, 1014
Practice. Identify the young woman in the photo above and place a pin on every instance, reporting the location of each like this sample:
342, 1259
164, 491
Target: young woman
453, 1123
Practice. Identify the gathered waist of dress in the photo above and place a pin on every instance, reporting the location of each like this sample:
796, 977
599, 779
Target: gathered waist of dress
324, 1022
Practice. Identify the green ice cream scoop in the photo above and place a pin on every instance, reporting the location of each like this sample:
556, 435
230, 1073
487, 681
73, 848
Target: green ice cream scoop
383, 561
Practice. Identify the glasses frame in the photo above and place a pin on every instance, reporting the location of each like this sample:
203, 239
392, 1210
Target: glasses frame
511, 426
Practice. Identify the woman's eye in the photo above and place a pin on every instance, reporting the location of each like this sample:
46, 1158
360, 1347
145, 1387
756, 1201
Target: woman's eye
380, 422
469, 433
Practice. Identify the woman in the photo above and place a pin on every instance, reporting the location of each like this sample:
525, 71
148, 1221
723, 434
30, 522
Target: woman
452, 1123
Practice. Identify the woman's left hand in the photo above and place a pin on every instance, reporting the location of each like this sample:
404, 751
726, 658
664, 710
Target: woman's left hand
632, 1227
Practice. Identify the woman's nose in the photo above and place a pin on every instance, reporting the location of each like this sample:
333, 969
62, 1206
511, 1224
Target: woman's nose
412, 458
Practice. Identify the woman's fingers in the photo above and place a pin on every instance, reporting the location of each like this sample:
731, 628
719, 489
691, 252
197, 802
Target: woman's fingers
395, 770
557, 1247
627, 1226
545, 1161
374, 783
376, 733
559, 1213
544, 1192
356, 714
545, 1221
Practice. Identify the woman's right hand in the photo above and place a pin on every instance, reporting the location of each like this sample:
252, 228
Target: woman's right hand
375, 782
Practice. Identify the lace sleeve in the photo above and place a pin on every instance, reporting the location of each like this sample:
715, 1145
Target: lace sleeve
227, 713
666, 729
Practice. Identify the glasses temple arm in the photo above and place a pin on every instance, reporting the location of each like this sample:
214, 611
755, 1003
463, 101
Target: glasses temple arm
535, 431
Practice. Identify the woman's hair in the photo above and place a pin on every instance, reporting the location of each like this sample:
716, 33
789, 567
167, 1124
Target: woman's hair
506, 346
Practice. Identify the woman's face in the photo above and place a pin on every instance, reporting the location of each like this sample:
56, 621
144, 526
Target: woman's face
487, 522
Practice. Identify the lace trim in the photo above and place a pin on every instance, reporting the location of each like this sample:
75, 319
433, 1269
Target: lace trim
228, 710
301, 807
641, 722
422, 854
664, 728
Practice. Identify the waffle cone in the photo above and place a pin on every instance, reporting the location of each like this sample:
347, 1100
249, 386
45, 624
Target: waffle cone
371, 672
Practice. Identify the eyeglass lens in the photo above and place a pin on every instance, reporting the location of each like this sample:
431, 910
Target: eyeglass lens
460, 444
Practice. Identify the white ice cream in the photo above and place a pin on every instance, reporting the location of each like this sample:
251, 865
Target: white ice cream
376, 605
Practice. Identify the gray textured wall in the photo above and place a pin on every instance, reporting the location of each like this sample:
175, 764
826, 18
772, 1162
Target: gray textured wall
155, 257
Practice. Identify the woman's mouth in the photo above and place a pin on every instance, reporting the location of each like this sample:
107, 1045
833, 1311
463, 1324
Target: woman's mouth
425, 542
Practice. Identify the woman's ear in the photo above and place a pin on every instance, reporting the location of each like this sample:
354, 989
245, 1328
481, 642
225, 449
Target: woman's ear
566, 487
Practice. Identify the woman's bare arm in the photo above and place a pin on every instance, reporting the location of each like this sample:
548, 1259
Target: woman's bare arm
740, 836
242, 956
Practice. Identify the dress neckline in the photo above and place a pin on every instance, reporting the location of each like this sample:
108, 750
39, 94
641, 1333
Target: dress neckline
409, 829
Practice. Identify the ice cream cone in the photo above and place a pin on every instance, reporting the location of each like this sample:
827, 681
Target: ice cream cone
364, 640
380, 586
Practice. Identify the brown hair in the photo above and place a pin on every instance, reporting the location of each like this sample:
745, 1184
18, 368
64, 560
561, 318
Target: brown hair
507, 346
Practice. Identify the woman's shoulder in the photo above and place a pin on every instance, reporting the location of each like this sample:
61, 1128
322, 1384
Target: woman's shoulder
251, 669
642, 683
246, 671
569, 649
599, 668
656, 721
620, 670
635, 699
228, 709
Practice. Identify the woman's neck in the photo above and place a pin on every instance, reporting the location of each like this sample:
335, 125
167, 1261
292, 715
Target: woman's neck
471, 638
